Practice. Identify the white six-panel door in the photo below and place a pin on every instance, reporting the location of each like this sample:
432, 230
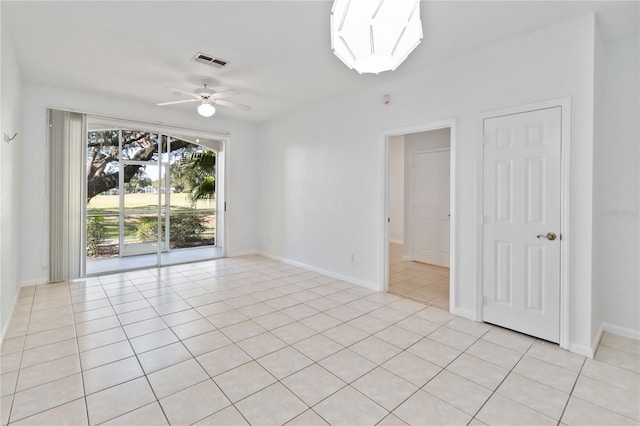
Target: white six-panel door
521, 257
429, 206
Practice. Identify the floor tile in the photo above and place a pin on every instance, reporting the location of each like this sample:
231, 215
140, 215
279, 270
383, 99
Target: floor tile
418, 325
317, 347
494, 354
616, 376
501, 410
118, 400
153, 340
149, 415
384, 387
349, 407
181, 317
261, 345
223, 359
97, 325
50, 336
208, 342
243, 381
478, 371
345, 334
547, 374
242, 331
320, 322
274, 405
553, 354
308, 418
618, 358
163, 357
391, 420
227, 319
509, 339
73, 413
284, 362
398, 336
101, 338
176, 378
375, 350
44, 397
534, 395
422, 406
195, 403
621, 343
459, 392
273, 320
452, 338
583, 413
105, 354
48, 353
229, 416
144, 327
293, 333
313, 384
476, 329
111, 374
613, 398
5, 408
434, 352
193, 328
47, 372
411, 368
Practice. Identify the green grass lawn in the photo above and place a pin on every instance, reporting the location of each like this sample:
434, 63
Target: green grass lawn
101, 204
107, 206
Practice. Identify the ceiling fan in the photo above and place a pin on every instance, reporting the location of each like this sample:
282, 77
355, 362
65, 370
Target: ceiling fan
207, 98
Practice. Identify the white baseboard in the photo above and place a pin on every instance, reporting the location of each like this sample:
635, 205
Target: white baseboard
407, 258
583, 350
465, 313
34, 282
621, 331
242, 253
396, 241
5, 327
326, 272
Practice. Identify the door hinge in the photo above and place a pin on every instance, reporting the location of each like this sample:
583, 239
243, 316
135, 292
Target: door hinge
388, 220
225, 206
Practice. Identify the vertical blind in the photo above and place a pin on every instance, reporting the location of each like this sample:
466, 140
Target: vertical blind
67, 194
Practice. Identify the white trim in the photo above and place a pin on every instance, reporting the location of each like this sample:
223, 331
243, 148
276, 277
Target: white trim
6, 326
565, 217
385, 137
465, 313
371, 286
245, 253
581, 350
33, 282
620, 331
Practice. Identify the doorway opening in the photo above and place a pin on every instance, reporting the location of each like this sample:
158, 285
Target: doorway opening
418, 235
152, 197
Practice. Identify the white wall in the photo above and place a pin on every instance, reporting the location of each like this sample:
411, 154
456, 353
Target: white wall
396, 189
617, 211
241, 174
322, 167
11, 235
413, 142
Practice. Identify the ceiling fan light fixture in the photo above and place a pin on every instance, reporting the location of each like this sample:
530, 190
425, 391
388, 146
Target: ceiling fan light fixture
375, 36
205, 109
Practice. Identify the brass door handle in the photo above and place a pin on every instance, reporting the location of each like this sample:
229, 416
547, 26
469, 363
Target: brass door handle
550, 236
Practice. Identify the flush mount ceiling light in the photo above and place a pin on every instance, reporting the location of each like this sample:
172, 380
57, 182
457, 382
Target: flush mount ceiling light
205, 109
375, 36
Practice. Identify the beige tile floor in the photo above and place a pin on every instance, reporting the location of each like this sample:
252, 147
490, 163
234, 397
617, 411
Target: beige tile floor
418, 281
253, 341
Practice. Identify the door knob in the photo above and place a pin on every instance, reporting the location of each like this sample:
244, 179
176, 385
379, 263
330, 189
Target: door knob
550, 236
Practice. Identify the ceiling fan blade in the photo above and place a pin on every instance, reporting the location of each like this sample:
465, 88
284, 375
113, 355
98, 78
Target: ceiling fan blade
185, 92
224, 94
177, 102
232, 104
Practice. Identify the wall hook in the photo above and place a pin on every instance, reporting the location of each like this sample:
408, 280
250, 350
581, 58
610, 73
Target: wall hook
8, 138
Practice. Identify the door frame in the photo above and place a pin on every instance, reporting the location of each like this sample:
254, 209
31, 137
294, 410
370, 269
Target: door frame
408, 216
565, 204
385, 140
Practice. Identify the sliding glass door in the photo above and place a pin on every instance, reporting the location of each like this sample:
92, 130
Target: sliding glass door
151, 200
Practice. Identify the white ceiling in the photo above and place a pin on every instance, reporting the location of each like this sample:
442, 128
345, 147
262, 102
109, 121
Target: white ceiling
278, 51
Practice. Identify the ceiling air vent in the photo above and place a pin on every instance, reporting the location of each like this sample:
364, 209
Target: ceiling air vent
211, 60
